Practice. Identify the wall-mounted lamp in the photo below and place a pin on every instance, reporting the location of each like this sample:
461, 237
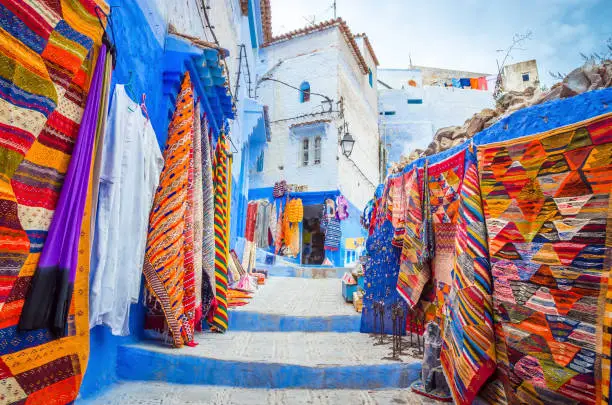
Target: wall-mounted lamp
347, 144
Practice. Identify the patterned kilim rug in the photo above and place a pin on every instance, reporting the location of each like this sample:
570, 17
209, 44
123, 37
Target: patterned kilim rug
45, 66
468, 353
444, 181
414, 272
548, 214
165, 252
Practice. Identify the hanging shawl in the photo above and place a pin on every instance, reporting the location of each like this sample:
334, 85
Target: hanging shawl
220, 319
50, 294
163, 266
342, 208
198, 215
273, 221
208, 222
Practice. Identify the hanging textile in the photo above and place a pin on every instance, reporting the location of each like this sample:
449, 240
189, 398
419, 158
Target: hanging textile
278, 242
333, 234
208, 221
129, 174
273, 222
189, 282
48, 300
46, 63
342, 211
100, 135
396, 206
251, 221
164, 255
381, 270
468, 353
548, 214
198, 215
444, 184
221, 181
414, 268
262, 224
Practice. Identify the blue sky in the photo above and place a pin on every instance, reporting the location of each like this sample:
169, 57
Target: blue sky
441, 33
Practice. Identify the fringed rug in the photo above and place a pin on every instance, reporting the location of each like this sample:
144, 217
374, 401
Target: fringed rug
468, 354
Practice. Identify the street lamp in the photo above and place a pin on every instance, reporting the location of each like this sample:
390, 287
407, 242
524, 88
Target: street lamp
347, 144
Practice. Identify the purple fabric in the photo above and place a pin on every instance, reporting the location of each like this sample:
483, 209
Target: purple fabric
49, 297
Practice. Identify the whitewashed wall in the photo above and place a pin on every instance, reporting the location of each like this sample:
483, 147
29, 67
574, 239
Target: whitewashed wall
414, 125
325, 61
312, 59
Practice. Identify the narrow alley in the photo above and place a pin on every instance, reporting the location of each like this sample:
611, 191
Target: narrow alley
323, 202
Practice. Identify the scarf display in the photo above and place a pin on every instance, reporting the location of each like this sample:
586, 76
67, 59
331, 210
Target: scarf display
468, 353
548, 215
208, 221
48, 299
414, 270
164, 258
46, 63
221, 181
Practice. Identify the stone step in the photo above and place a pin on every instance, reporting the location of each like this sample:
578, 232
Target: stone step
287, 304
282, 270
271, 360
158, 393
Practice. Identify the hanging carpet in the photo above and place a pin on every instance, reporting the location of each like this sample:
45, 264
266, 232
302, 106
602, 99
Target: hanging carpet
548, 214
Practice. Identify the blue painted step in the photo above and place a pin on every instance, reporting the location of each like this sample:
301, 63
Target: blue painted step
141, 364
304, 272
262, 322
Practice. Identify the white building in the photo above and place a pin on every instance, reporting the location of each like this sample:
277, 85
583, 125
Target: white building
411, 111
519, 76
314, 80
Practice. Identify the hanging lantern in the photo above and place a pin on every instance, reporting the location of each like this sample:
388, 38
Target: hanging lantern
347, 144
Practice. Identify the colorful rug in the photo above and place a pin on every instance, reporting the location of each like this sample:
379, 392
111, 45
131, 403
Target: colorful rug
44, 79
198, 216
414, 272
221, 179
548, 214
163, 267
444, 184
468, 354
208, 221
50, 293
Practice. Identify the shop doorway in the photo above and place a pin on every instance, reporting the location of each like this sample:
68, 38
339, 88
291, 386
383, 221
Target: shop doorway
313, 237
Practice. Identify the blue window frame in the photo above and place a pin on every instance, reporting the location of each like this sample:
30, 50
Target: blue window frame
304, 92
370, 79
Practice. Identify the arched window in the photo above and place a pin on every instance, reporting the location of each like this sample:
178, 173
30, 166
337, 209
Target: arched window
370, 79
304, 92
317, 151
305, 151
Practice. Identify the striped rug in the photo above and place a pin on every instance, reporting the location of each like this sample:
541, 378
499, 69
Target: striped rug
221, 178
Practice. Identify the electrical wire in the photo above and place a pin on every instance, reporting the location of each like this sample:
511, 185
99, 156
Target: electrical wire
269, 79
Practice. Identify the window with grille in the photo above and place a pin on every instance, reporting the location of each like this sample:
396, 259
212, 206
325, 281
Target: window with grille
317, 151
305, 151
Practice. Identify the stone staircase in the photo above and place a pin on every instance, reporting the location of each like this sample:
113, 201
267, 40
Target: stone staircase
297, 342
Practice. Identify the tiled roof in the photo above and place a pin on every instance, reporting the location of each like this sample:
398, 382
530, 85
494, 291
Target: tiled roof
338, 22
307, 123
266, 20
368, 45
